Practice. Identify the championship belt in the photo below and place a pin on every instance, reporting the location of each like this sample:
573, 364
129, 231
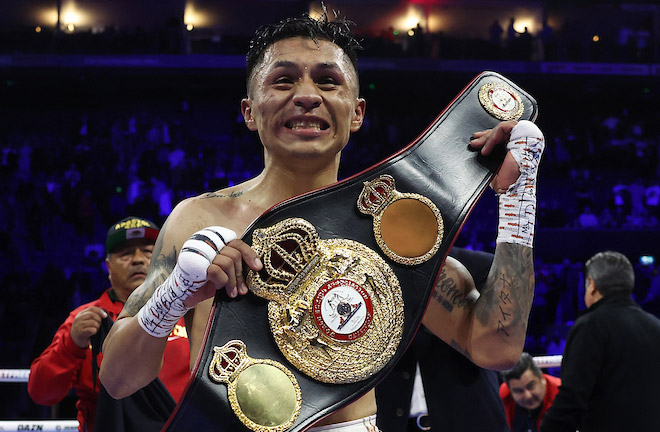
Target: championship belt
348, 271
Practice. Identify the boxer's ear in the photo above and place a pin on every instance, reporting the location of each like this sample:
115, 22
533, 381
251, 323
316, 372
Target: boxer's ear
358, 116
248, 117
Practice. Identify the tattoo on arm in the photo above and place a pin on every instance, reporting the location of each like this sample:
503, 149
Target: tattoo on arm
159, 270
507, 300
505, 306
447, 293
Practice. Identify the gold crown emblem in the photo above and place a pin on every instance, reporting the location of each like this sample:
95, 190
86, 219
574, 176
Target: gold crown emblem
336, 307
263, 393
227, 360
288, 250
376, 194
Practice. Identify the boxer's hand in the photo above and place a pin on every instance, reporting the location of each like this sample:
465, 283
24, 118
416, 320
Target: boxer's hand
209, 260
86, 324
226, 271
487, 140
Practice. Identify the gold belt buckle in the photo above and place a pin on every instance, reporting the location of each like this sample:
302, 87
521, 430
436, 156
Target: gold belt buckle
263, 393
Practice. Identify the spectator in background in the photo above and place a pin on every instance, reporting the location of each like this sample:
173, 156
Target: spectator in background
587, 218
642, 37
622, 198
495, 32
652, 199
511, 33
526, 42
606, 219
548, 42
67, 363
624, 43
527, 394
610, 374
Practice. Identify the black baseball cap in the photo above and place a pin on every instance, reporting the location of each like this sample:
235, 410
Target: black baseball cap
128, 229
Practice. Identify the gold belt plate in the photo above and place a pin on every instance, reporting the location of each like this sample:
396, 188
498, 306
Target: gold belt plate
263, 393
408, 227
501, 101
336, 307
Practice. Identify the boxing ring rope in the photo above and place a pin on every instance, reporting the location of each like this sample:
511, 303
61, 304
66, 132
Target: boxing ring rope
14, 375
21, 376
550, 361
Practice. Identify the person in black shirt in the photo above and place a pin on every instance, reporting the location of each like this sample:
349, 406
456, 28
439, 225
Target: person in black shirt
610, 374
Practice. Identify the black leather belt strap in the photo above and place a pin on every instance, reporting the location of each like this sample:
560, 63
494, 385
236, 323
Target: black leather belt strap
438, 165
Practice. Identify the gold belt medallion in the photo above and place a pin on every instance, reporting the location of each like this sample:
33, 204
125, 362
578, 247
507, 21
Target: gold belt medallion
263, 393
336, 307
501, 101
408, 227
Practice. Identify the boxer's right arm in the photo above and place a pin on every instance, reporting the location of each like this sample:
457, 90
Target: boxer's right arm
133, 350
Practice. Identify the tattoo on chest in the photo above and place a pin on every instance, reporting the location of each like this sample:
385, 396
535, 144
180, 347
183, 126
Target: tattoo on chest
448, 294
221, 195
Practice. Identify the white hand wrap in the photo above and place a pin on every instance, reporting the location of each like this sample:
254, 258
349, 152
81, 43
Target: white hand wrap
517, 206
165, 307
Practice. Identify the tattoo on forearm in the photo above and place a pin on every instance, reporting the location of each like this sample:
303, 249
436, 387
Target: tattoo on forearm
447, 293
158, 272
504, 305
165, 262
507, 300
221, 195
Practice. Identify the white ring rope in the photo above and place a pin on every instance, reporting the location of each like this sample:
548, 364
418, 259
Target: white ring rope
21, 375
14, 375
548, 361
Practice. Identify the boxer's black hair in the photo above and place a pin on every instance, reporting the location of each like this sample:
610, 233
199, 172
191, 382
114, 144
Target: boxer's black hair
337, 31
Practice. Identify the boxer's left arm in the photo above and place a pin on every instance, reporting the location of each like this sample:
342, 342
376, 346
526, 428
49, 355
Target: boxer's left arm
491, 330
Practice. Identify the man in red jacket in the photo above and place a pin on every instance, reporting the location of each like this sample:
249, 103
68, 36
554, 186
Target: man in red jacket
527, 394
67, 362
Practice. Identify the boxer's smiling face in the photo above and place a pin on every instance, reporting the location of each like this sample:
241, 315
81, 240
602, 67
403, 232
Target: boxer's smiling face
128, 266
302, 99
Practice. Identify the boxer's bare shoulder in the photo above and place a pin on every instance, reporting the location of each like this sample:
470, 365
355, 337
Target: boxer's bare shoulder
234, 207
